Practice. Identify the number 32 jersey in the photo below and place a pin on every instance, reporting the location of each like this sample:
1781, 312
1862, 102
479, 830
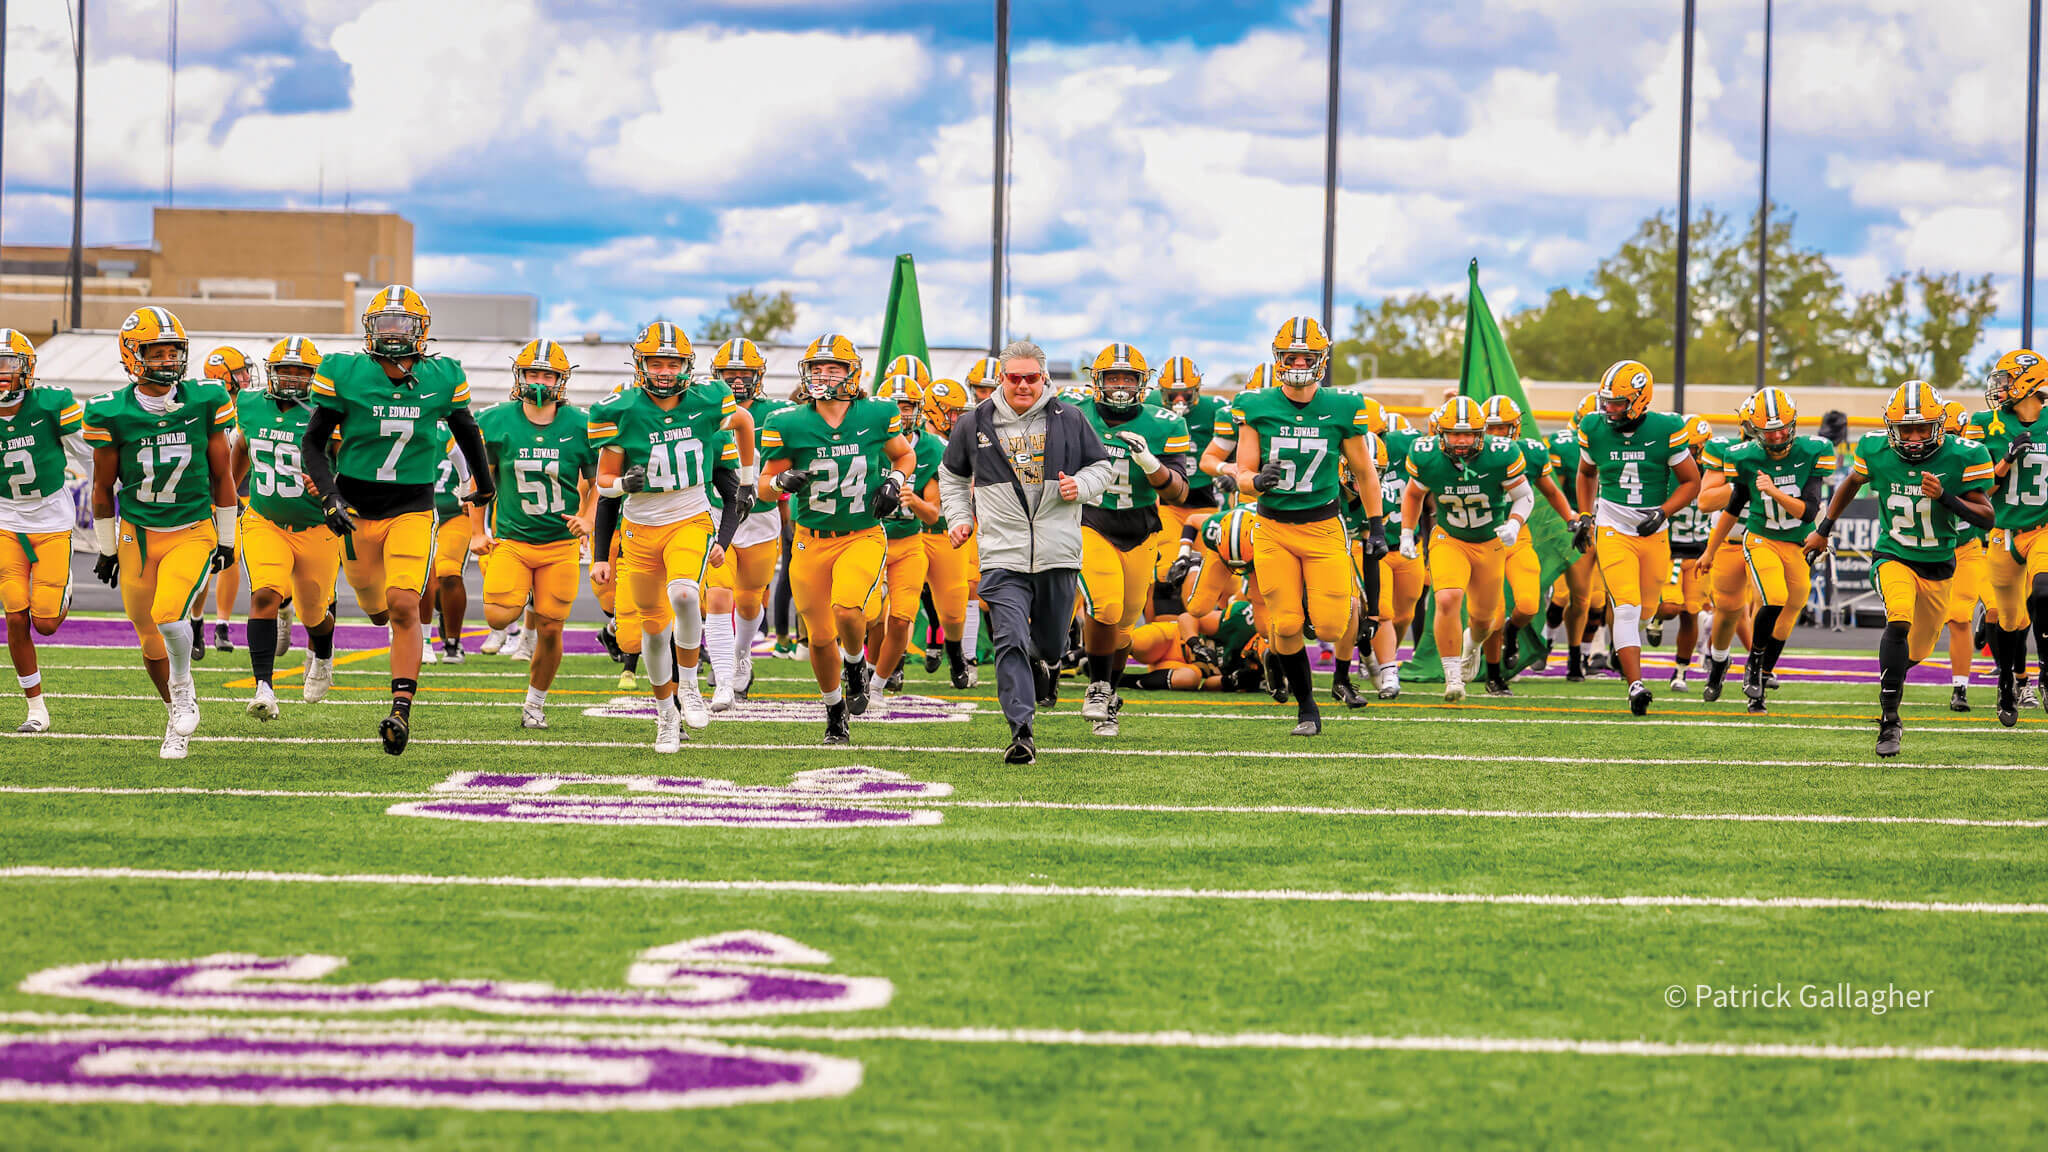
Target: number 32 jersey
164, 481
1471, 496
677, 446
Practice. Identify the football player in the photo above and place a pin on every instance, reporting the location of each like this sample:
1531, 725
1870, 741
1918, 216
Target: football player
659, 453
1635, 471
530, 540
734, 603
843, 462
1479, 491
287, 546
1968, 586
454, 532
982, 377
389, 403
1290, 439
1724, 572
2014, 429
953, 574
1577, 594
160, 446
1686, 595
1924, 483
1180, 392
1219, 459
227, 367
1401, 577
1121, 532
43, 431
1523, 567
905, 530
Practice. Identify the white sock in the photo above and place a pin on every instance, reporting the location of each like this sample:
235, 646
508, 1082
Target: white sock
718, 645
178, 639
1722, 653
744, 631
1962, 681
832, 697
36, 707
970, 632
536, 697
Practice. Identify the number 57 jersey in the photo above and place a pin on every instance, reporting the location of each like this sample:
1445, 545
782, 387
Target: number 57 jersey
677, 446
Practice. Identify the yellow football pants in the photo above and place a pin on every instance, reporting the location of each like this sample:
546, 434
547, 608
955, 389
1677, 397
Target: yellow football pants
1304, 573
654, 555
451, 545
35, 573
1479, 568
905, 568
1635, 568
1115, 584
827, 573
1913, 599
947, 570
746, 573
163, 572
302, 563
2013, 562
514, 570
381, 556
1972, 565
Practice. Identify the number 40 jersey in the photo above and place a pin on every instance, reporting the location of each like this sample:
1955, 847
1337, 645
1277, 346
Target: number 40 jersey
677, 446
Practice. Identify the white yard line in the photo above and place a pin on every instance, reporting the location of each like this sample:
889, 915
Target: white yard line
1210, 1041
832, 888
1063, 806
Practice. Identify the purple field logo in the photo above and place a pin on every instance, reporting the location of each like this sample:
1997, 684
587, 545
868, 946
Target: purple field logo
852, 781
809, 801
884, 710
710, 977
408, 1071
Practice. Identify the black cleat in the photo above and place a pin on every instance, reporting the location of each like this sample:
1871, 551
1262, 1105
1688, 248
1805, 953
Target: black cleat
1717, 675
1757, 707
1753, 684
1021, 750
220, 639
895, 682
1497, 683
1653, 631
610, 640
198, 641
1575, 666
1639, 699
1771, 681
933, 657
1597, 663
853, 681
1959, 699
395, 730
838, 730
1346, 695
1047, 681
1890, 733
2008, 704
962, 678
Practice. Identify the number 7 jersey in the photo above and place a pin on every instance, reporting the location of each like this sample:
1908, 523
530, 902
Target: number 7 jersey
677, 446
389, 428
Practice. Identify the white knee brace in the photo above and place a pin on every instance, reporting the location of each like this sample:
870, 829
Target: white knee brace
682, 596
1628, 626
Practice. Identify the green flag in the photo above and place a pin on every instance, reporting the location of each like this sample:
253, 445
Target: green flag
1488, 371
903, 321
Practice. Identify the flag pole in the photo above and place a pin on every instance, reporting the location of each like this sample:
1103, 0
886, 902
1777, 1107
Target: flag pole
78, 183
1684, 215
2033, 146
1763, 210
999, 208
1330, 169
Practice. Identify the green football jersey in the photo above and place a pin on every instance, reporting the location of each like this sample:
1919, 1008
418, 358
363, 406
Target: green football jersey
1635, 467
1307, 439
1201, 419
1235, 631
1471, 495
1743, 463
448, 486
537, 469
1394, 477
677, 446
1912, 525
1165, 434
1564, 460
1356, 519
903, 522
390, 429
273, 430
2021, 502
31, 443
846, 463
164, 481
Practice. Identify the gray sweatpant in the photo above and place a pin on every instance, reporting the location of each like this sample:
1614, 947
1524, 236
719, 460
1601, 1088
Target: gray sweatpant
1028, 615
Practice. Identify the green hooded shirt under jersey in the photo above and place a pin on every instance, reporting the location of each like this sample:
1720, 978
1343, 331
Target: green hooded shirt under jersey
677, 446
846, 463
1635, 466
2021, 502
273, 430
1165, 434
164, 481
390, 429
1912, 525
31, 443
903, 522
1201, 418
1471, 495
1307, 439
1806, 457
537, 467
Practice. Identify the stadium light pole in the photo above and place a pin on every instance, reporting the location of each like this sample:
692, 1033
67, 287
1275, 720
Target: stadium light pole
78, 182
1330, 173
1000, 197
3, 108
1684, 214
2033, 147
1763, 210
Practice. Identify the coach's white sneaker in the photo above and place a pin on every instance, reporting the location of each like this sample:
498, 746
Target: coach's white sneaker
722, 698
668, 727
493, 642
319, 678
264, 705
692, 700
532, 717
1454, 686
175, 744
184, 707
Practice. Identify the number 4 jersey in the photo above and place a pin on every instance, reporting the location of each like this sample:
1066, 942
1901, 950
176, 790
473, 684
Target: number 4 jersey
164, 481
1635, 466
32, 495
277, 480
1471, 496
537, 468
1912, 525
677, 446
846, 463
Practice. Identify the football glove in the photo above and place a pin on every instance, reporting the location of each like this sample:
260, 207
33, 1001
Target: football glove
634, 479
1186, 562
1375, 539
1509, 532
1268, 477
889, 498
793, 481
1582, 533
108, 570
1408, 543
1141, 452
339, 521
1652, 520
2019, 444
223, 557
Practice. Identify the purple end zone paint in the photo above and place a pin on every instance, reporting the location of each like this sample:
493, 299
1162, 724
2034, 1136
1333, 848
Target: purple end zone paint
663, 813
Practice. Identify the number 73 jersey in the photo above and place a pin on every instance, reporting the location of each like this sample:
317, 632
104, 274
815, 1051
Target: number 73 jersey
164, 481
537, 469
389, 432
1911, 524
1471, 495
677, 446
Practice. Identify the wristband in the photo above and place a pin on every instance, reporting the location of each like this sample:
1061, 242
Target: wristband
750, 474
224, 524
611, 491
1824, 527
901, 480
106, 533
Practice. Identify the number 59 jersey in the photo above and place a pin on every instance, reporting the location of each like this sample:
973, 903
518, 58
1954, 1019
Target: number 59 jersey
677, 446
846, 464
1911, 524
164, 481
277, 478
1471, 495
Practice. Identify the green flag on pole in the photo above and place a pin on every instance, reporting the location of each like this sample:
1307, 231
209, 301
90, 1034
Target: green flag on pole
903, 320
1488, 371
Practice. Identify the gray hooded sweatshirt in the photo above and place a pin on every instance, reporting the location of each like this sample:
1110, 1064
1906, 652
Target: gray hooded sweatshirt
1001, 472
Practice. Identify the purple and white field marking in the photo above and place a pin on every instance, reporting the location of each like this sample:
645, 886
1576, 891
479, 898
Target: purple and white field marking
851, 781
682, 801
908, 709
711, 977
409, 1071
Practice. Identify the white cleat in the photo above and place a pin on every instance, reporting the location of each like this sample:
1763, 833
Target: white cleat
184, 708
1095, 704
264, 706
493, 642
668, 727
722, 698
1475, 654
522, 649
1454, 690
743, 673
1678, 680
427, 653
319, 679
36, 721
532, 717
284, 631
176, 744
695, 714
1390, 682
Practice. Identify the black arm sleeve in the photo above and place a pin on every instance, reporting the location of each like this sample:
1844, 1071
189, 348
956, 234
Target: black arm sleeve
1964, 512
601, 532
1737, 502
313, 458
726, 482
1816, 487
470, 439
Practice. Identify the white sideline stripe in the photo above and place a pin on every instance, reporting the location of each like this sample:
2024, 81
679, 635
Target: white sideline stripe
1214, 1041
834, 888
1063, 806
1097, 750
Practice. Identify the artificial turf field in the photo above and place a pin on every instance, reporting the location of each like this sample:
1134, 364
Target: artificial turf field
1432, 926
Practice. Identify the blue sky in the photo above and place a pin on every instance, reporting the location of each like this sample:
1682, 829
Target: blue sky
630, 159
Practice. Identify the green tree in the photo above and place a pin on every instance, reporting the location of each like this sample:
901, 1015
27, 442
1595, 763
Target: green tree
1922, 325
757, 316
1412, 336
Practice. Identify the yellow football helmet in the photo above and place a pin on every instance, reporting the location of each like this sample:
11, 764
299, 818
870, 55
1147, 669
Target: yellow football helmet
1229, 535
1261, 377
983, 375
911, 366
541, 356
739, 363
1462, 417
1915, 405
147, 327
395, 324
943, 403
1773, 420
904, 391
1629, 385
1501, 412
667, 341
1301, 335
1955, 417
1399, 423
1180, 381
831, 348
1697, 432
2017, 375
221, 365
1126, 361
1588, 405
17, 366
289, 369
